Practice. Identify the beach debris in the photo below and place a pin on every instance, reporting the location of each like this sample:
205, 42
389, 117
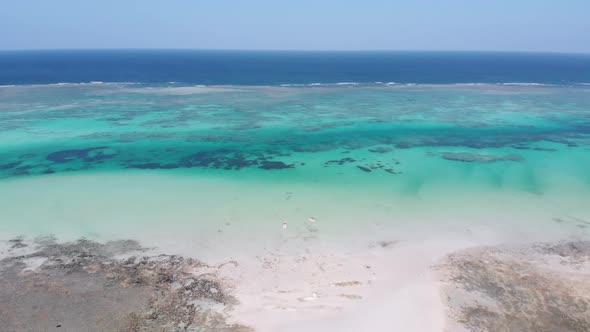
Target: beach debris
285, 224
313, 297
281, 308
347, 283
312, 219
387, 244
351, 296
384, 244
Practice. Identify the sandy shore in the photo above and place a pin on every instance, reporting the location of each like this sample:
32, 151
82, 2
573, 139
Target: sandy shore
444, 282
178, 253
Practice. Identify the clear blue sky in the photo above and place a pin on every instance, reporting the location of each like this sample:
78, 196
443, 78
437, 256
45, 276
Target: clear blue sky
524, 25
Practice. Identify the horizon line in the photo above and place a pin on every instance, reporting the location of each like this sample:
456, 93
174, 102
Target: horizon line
293, 50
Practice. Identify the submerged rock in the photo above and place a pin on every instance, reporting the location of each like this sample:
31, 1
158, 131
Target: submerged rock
363, 168
339, 161
17, 243
275, 165
381, 149
153, 166
476, 157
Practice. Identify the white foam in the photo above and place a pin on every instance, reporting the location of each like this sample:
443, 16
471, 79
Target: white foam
313, 84
523, 84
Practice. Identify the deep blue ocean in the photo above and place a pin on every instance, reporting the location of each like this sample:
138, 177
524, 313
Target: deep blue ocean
282, 67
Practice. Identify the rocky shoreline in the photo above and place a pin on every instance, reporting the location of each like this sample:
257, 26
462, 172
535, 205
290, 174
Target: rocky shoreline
88, 286
539, 287
84, 285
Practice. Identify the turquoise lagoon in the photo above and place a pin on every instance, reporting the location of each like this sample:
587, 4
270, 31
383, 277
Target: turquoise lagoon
116, 160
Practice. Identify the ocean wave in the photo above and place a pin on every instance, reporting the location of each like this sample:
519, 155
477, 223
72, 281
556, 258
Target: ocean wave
82, 83
317, 84
524, 84
313, 84
404, 84
62, 84
86, 83
294, 85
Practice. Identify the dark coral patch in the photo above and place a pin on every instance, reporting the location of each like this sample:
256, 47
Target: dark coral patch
275, 165
526, 147
339, 161
221, 159
404, 145
32, 169
153, 166
10, 165
87, 155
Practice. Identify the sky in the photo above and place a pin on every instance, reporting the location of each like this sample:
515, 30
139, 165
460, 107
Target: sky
495, 25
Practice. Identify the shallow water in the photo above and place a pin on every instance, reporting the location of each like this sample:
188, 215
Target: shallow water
153, 155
